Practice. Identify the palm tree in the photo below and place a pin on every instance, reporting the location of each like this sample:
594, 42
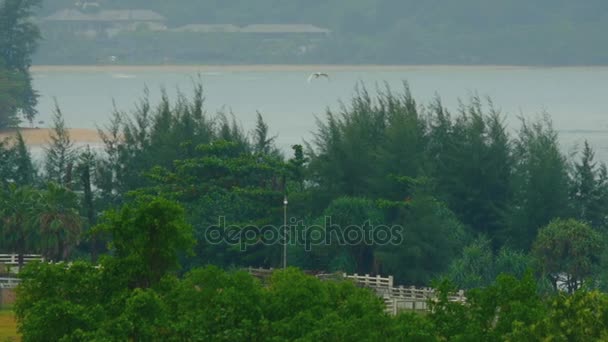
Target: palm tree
59, 221
19, 207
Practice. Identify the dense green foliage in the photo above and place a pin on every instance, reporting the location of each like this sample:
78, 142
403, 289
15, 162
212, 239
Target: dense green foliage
435, 197
516, 32
134, 294
569, 252
18, 41
478, 266
80, 302
444, 178
44, 221
147, 237
444, 195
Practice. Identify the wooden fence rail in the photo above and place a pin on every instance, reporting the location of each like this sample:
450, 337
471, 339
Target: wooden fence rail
376, 282
9, 262
9, 282
395, 298
13, 259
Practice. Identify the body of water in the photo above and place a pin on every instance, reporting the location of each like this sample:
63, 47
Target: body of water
575, 98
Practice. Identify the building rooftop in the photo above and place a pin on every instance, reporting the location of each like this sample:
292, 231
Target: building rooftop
283, 28
105, 15
205, 28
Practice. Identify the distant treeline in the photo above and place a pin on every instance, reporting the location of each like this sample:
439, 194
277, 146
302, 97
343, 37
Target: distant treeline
366, 31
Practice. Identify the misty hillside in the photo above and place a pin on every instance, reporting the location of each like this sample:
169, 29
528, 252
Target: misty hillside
537, 32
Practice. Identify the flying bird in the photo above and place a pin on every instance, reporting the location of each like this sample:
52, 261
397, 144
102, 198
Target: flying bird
316, 75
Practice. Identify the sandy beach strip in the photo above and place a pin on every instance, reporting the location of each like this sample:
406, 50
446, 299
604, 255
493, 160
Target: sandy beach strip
41, 136
259, 68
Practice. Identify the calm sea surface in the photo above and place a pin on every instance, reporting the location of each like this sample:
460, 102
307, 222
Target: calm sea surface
576, 98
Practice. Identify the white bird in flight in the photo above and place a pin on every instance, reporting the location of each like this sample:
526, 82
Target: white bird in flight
317, 75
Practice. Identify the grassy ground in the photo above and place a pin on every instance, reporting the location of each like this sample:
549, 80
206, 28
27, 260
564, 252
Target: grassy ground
8, 327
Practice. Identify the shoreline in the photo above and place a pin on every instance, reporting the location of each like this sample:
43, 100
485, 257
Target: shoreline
35, 137
286, 67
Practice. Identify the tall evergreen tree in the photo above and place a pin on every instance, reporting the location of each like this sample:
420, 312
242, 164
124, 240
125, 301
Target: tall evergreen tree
109, 169
25, 170
61, 153
432, 236
589, 192
296, 166
262, 142
6, 162
471, 162
12, 87
540, 185
156, 136
358, 151
18, 41
16, 165
402, 147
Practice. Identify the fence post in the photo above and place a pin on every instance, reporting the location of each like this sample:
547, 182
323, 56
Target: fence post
395, 310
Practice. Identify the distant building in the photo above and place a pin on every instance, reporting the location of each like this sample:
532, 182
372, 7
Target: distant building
307, 36
301, 38
273, 29
264, 29
95, 22
208, 28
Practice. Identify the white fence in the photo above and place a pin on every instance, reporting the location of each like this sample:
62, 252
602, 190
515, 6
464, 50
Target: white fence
8, 282
13, 259
395, 298
400, 298
376, 282
11, 262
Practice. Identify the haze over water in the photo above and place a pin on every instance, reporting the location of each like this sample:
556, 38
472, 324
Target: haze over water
575, 98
